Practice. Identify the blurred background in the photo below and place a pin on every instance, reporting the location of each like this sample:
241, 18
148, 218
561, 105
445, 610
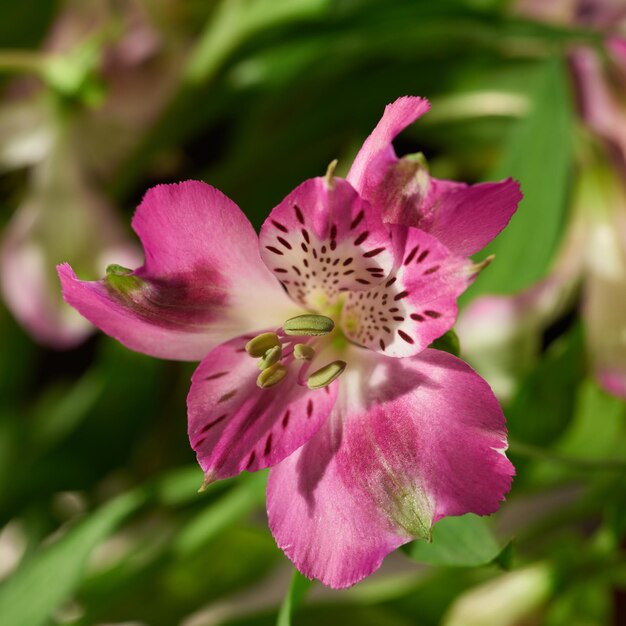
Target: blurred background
100, 522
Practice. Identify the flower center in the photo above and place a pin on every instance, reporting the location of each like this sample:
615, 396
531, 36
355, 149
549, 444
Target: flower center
299, 339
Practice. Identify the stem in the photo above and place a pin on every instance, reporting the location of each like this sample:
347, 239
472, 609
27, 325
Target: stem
21, 61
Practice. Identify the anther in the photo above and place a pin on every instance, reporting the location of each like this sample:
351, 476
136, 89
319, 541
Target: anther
325, 375
308, 325
258, 346
302, 352
271, 356
271, 376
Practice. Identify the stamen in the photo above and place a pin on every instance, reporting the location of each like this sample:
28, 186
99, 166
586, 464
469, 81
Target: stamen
308, 325
325, 375
259, 346
271, 376
330, 174
271, 356
302, 352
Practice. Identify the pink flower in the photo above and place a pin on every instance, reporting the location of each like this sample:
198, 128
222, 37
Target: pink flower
367, 450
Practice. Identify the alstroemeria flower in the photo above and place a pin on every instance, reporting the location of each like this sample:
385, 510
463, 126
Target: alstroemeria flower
368, 450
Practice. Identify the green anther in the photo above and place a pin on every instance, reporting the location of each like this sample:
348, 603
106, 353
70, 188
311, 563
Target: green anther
271, 376
271, 356
302, 352
258, 346
325, 375
308, 325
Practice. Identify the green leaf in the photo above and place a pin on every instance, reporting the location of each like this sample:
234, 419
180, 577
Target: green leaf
448, 343
31, 595
546, 401
246, 496
539, 155
298, 588
464, 541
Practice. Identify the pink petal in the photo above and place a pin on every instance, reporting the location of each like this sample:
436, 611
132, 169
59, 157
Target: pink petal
321, 240
410, 442
416, 304
377, 154
234, 425
202, 282
466, 218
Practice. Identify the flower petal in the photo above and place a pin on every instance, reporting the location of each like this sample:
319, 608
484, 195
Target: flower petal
464, 218
377, 154
410, 441
234, 425
416, 303
202, 282
323, 238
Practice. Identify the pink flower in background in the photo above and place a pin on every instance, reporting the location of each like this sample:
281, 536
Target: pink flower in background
501, 335
63, 214
313, 339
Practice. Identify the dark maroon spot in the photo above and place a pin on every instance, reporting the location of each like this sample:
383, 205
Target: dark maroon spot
286, 418
314, 251
214, 376
361, 238
432, 314
305, 234
399, 296
382, 344
431, 270
280, 226
357, 220
422, 256
304, 248
374, 270
348, 272
387, 329
333, 244
333, 231
296, 270
323, 250
398, 318
363, 281
411, 255
305, 262
406, 337
395, 309
281, 270
227, 396
391, 281
417, 317
274, 250
299, 215
284, 242
374, 252
309, 408
214, 422
268, 445
250, 460
347, 261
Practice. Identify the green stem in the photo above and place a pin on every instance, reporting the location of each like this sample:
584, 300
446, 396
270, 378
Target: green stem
21, 61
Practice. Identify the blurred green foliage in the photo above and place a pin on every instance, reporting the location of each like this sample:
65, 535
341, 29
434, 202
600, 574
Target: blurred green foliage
102, 523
